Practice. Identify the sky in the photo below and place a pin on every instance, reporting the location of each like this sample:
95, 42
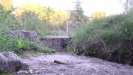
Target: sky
111, 7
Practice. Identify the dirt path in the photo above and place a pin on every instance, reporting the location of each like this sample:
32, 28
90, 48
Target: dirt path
74, 65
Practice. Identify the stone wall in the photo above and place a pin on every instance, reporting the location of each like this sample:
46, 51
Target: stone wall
56, 42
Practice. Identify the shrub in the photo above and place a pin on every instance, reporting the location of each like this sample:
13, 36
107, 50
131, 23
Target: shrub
11, 44
18, 45
108, 38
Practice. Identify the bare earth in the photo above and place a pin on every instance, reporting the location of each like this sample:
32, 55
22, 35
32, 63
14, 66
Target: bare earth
74, 65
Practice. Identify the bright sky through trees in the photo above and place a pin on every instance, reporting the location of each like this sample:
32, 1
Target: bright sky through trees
89, 6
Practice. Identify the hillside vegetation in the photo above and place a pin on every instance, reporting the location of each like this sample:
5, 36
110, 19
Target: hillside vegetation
109, 38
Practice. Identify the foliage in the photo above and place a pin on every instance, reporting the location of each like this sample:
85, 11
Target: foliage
37, 46
11, 44
78, 14
31, 17
20, 44
7, 21
46, 14
10, 23
17, 45
30, 22
108, 38
76, 18
78, 8
6, 4
98, 15
40, 19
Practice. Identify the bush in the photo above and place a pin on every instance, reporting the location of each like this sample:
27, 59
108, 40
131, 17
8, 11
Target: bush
17, 45
30, 45
11, 44
108, 38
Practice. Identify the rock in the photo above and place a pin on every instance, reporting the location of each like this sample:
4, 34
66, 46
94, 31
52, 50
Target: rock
23, 34
10, 62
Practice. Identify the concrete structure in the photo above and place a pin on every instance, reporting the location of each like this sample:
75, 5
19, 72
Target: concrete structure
56, 42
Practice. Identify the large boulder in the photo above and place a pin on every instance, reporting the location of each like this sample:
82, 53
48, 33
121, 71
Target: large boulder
10, 62
23, 34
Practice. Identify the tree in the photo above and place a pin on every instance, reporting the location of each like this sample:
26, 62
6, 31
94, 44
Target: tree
98, 15
78, 8
78, 14
7, 4
45, 14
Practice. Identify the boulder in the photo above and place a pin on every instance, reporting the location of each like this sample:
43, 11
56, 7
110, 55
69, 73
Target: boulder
10, 62
23, 34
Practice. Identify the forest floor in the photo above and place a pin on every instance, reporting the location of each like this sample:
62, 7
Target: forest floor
72, 65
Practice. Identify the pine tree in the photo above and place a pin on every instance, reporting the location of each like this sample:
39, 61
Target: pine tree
78, 8
78, 12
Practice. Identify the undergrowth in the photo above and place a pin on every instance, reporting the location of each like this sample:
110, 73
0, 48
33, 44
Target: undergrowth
109, 38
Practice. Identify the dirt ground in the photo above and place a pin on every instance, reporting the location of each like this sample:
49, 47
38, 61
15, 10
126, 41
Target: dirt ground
72, 65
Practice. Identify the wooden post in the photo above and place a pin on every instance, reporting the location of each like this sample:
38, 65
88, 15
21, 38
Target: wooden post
67, 28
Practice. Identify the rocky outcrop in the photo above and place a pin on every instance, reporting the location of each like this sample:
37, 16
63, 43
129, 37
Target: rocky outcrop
23, 34
10, 62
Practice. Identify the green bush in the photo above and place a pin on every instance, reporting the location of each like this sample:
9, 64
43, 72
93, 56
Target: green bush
17, 45
108, 38
11, 44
